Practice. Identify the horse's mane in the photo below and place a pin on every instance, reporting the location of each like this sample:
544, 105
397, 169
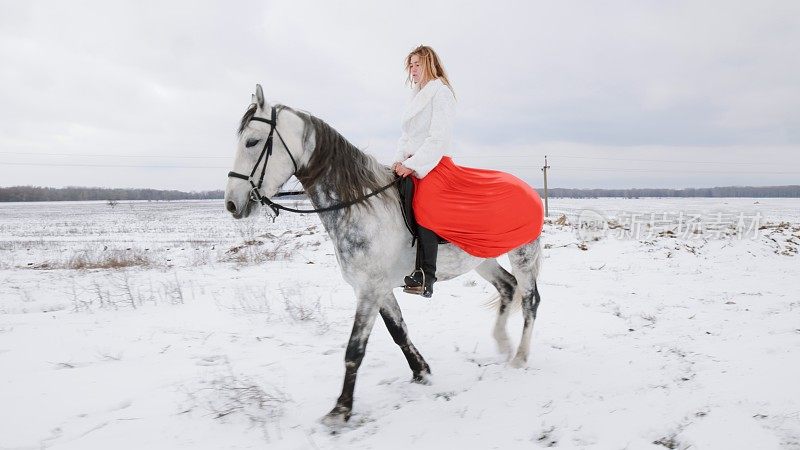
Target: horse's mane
346, 171
248, 115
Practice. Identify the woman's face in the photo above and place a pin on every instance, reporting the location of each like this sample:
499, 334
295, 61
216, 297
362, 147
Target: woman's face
415, 69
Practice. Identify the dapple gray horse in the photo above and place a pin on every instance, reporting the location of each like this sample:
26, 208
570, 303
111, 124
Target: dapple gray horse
370, 238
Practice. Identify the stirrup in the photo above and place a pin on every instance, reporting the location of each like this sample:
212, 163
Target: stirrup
424, 289
426, 292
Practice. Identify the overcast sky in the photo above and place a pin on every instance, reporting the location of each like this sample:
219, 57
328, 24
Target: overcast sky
617, 94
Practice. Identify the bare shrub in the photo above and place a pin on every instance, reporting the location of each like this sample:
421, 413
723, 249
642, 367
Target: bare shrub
147, 293
200, 257
122, 289
255, 251
103, 296
649, 318
122, 282
251, 300
79, 302
668, 441
247, 229
298, 309
108, 259
172, 291
227, 395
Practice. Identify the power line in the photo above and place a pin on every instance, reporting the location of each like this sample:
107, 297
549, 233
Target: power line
87, 155
644, 170
676, 171
674, 161
568, 168
629, 159
109, 165
97, 155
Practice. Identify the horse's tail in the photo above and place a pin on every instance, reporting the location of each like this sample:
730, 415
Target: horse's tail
493, 302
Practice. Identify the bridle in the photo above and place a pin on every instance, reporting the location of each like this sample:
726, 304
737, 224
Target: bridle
266, 152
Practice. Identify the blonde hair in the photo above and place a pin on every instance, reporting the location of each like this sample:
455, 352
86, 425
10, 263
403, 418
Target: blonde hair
432, 67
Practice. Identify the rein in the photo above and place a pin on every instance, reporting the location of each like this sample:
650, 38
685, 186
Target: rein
266, 152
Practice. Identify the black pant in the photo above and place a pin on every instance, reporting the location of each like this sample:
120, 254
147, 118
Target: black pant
427, 250
427, 240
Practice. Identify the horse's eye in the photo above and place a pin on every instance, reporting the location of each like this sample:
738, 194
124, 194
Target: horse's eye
251, 142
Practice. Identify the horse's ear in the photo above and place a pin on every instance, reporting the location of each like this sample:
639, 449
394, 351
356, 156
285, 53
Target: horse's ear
259, 100
252, 99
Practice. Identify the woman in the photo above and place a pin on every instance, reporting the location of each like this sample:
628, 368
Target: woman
425, 139
486, 213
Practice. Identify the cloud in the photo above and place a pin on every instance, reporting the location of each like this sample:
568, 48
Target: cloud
606, 80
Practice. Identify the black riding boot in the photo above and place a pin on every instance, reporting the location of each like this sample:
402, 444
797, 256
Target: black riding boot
421, 281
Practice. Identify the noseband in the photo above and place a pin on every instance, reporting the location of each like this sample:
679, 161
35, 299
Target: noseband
266, 152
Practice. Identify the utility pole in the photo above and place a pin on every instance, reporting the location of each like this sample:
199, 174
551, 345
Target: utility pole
544, 169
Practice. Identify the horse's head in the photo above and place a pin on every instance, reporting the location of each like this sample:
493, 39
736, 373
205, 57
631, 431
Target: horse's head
268, 153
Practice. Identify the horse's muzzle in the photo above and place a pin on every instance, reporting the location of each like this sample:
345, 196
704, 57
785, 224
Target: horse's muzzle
243, 212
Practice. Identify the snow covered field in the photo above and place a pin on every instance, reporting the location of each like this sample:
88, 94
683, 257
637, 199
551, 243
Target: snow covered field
664, 323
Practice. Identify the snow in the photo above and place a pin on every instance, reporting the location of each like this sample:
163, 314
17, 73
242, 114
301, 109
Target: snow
171, 325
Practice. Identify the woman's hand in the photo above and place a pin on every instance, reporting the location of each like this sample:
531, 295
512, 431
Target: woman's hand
401, 170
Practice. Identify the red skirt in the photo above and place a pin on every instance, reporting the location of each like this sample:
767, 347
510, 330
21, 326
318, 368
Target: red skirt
485, 212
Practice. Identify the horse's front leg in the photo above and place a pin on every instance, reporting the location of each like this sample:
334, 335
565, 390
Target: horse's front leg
366, 311
393, 318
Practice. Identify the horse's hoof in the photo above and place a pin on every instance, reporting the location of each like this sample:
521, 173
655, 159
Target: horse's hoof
518, 363
423, 378
337, 418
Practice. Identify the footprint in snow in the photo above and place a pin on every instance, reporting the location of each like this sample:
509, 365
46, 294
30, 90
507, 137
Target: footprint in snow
213, 360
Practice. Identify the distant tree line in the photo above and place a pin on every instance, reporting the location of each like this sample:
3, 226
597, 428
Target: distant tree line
47, 194
792, 191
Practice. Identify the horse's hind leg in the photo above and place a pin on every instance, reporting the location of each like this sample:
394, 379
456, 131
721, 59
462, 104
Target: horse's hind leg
393, 318
525, 263
505, 283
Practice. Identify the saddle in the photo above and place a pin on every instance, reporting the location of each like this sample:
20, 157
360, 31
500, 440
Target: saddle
406, 190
